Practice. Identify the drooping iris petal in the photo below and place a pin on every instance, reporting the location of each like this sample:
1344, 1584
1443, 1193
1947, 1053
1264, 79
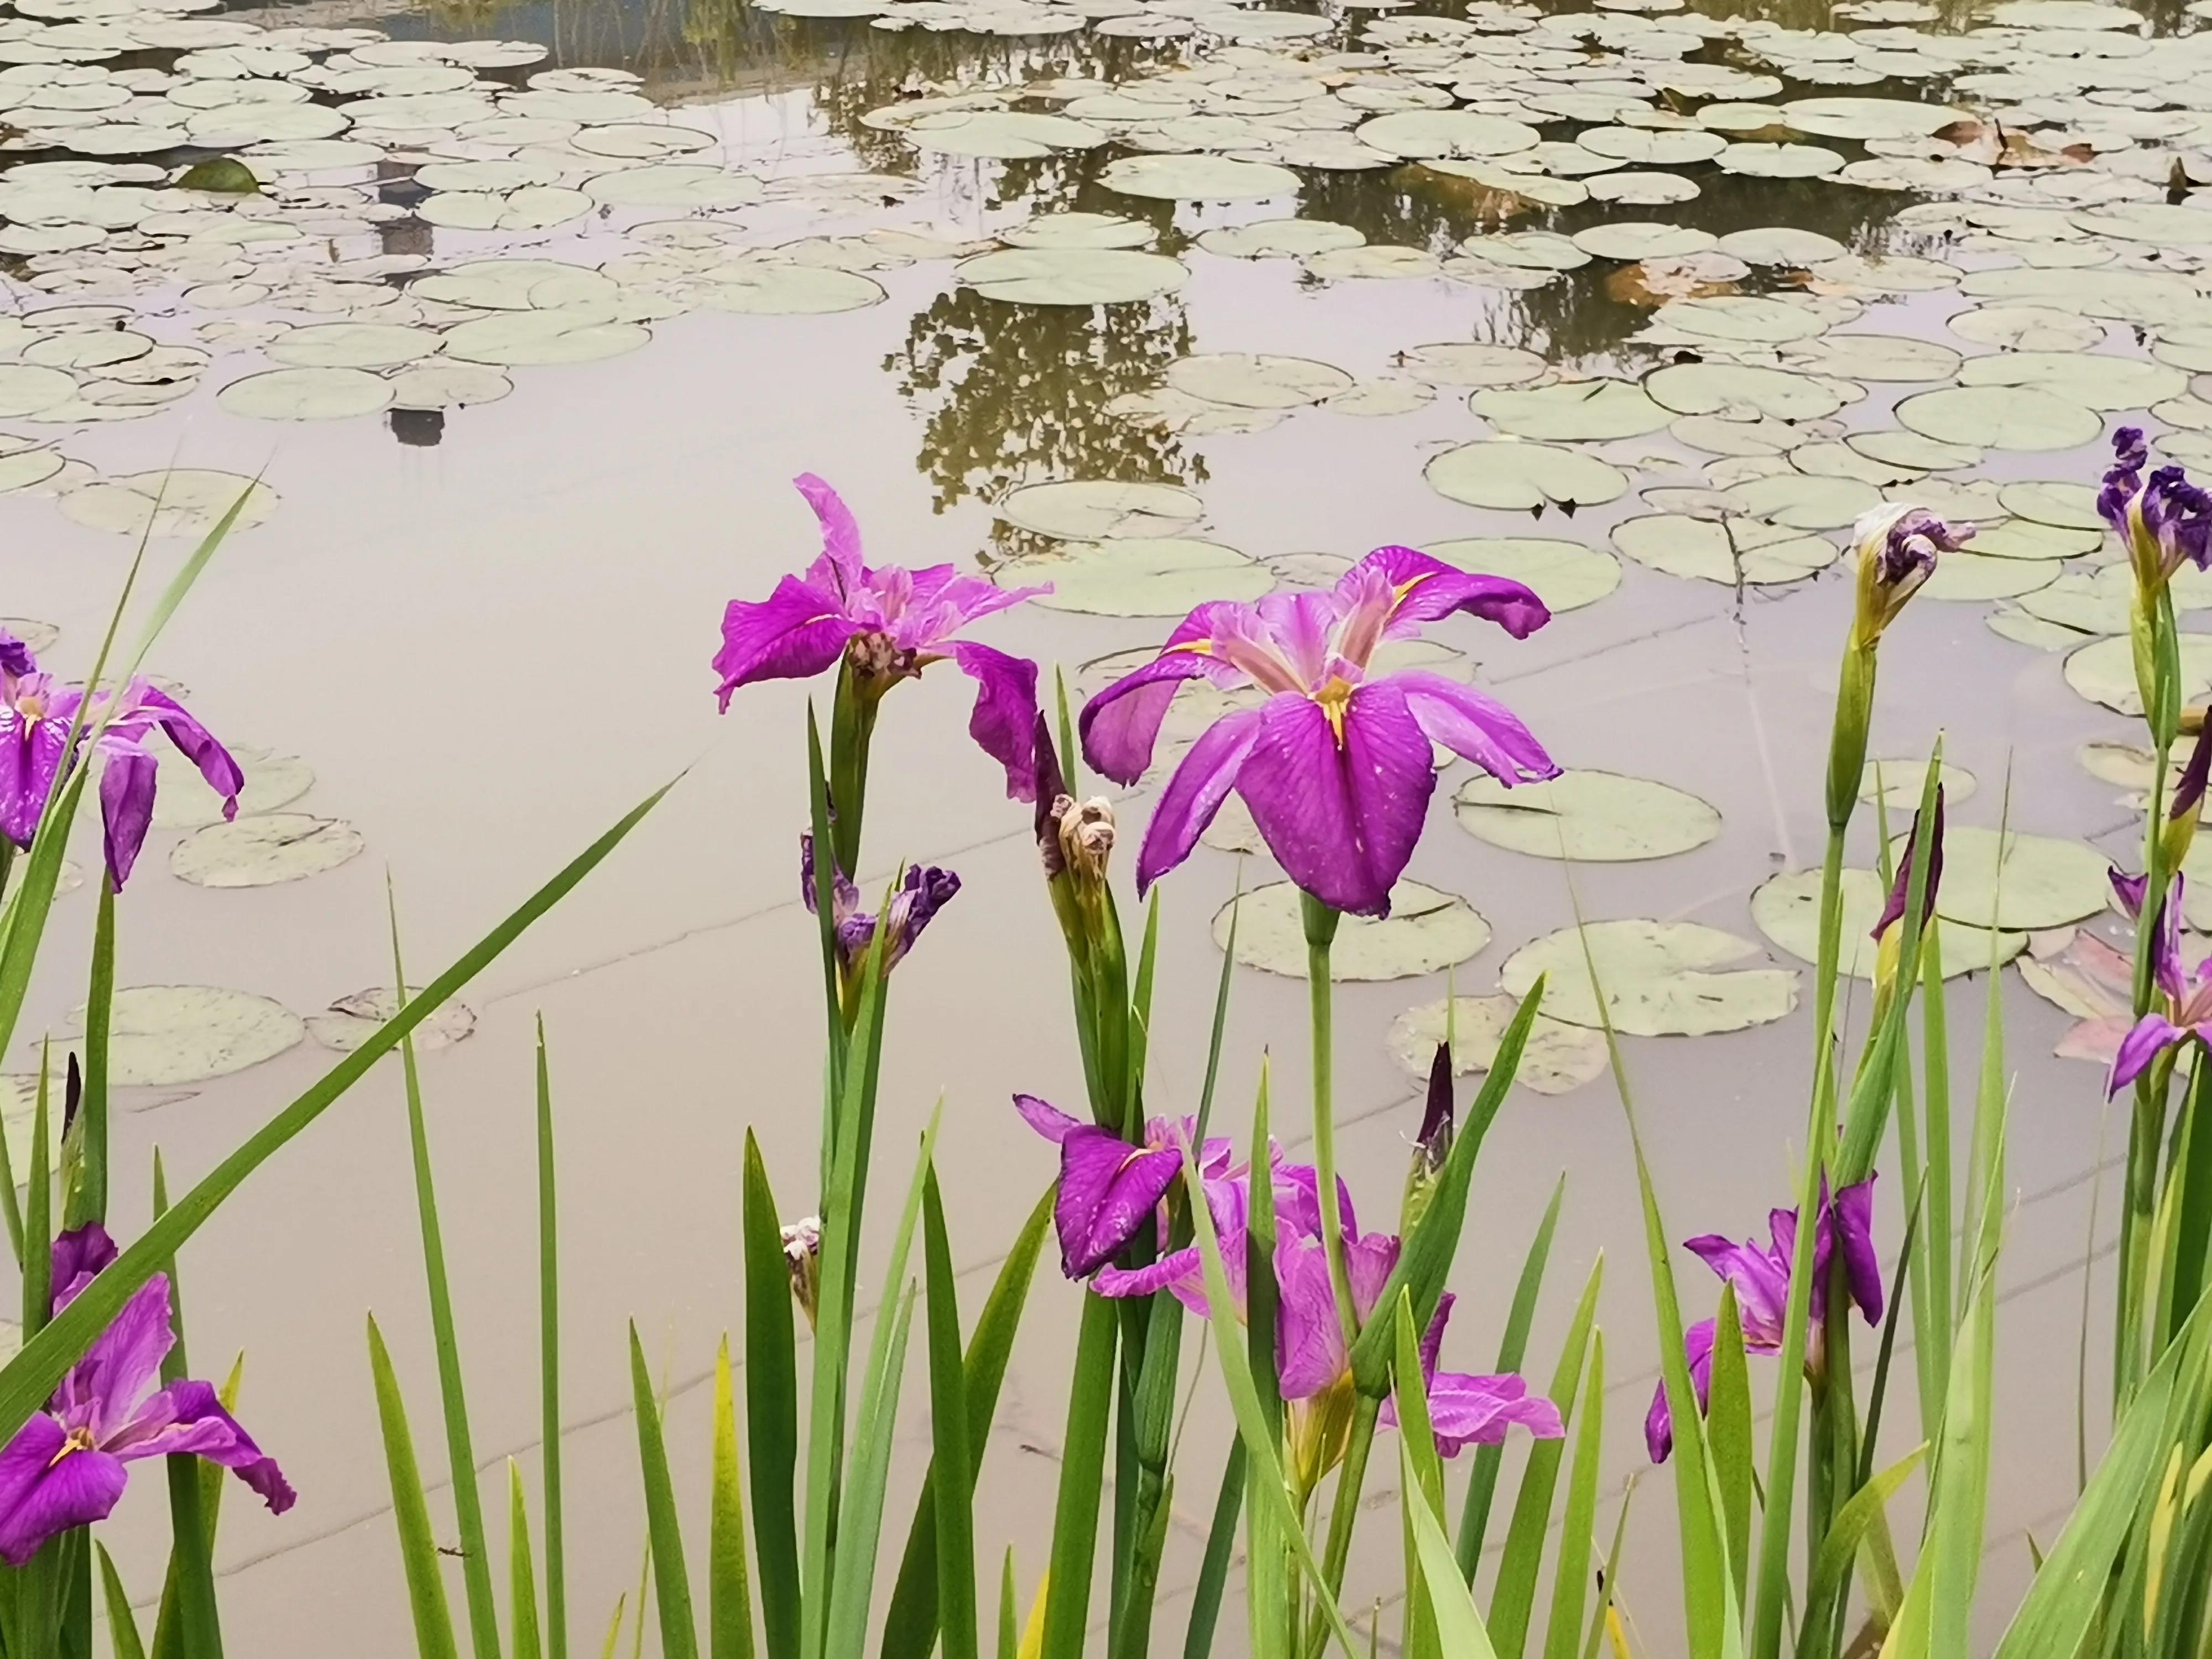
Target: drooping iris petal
1341, 818
1476, 726
1120, 725
2150, 1036
1047, 1119
2129, 891
942, 602
1853, 1221
1477, 1411
30, 757
1367, 1264
187, 1417
840, 530
194, 741
1762, 1283
1108, 1191
793, 633
1429, 589
71, 1486
1659, 1421
126, 808
1194, 794
1004, 723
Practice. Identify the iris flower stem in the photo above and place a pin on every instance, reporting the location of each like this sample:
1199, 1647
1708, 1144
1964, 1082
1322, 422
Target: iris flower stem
1830, 948
851, 728
2147, 1118
1343, 1515
1321, 922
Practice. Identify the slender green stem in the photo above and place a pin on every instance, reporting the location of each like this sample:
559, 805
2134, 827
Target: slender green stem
1321, 932
2146, 1120
548, 1350
1830, 949
1344, 1515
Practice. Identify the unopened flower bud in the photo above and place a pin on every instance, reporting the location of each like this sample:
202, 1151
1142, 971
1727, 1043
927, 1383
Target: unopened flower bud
802, 1259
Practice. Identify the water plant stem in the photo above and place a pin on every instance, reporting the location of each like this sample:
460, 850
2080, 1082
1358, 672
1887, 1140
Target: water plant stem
1344, 1515
1321, 924
2147, 1119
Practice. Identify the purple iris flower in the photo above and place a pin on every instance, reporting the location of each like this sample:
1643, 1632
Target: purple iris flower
35, 716
890, 623
66, 1468
1474, 1411
921, 893
1760, 1275
1892, 909
1897, 549
2164, 520
2187, 994
1109, 1189
1336, 765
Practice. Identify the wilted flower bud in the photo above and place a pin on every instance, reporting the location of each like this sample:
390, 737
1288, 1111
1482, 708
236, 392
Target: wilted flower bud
924, 890
1053, 801
802, 1259
1086, 836
1435, 1143
1897, 549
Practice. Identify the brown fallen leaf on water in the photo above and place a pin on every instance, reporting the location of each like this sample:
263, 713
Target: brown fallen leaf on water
1996, 145
1652, 282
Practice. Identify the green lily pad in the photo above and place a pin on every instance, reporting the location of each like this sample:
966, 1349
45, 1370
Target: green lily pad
2104, 672
1514, 476
1660, 978
352, 1020
2061, 506
2046, 882
1425, 932
1878, 357
1978, 577
1472, 364
1800, 500
1198, 178
161, 1036
1749, 550
1571, 411
1710, 388
1428, 134
1750, 319
1246, 380
1386, 260
305, 394
1898, 782
1566, 576
2001, 418
1559, 1057
1914, 449
1280, 239
2083, 603
181, 501
514, 339
1137, 577
2091, 380
1070, 276
775, 287
1092, 509
1787, 908
2026, 328
1636, 239
1588, 816
355, 346
999, 135
263, 850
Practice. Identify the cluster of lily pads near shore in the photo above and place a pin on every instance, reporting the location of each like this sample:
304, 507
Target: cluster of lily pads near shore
1328, 1325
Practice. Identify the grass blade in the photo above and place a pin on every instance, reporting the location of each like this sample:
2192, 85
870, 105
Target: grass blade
1512, 1348
522, 1581
1213, 1567
1838, 1548
952, 1462
1728, 1432
1513, 1600
122, 1625
1571, 1578
729, 1597
1451, 1604
549, 1363
28, 1379
1010, 1639
418, 1546
89, 1201
672, 1579
771, 1408
1409, 1387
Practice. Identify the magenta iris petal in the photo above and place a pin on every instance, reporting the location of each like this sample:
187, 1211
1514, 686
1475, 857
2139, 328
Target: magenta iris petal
126, 809
1476, 726
1761, 1281
1477, 1411
72, 1487
1120, 726
793, 633
1342, 820
1310, 1350
1108, 1191
1429, 590
1004, 724
1659, 1421
79, 1255
1853, 1220
1194, 794
188, 1418
840, 530
2150, 1036
123, 1361
1047, 1119
30, 758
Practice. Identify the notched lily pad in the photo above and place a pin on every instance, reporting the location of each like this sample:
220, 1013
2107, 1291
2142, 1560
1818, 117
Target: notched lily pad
263, 850
1660, 978
1425, 932
1514, 476
1559, 1057
352, 1020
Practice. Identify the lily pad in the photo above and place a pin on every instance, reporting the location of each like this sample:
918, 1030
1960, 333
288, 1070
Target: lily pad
1091, 509
1971, 577
1710, 388
774, 288
264, 850
1278, 239
1787, 908
352, 1020
2023, 417
1472, 364
2091, 380
1588, 816
1428, 134
1898, 782
1246, 380
2046, 882
183, 800
1198, 178
1070, 277
2062, 505
1660, 978
1559, 1057
1566, 576
1513, 477
161, 1036
1571, 411
2026, 328
1137, 577
1727, 551
183, 502
305, 394
1425, 932
2104, 672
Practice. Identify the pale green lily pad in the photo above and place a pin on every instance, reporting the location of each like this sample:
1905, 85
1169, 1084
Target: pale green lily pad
2091, 380
441, 384
1749, 550
1805, 502
1430, 134
2026, 328
1516, 476
182, 501
1566, 576
264, 850
2046, 882
1425, 932
1973, 577
354, 345
534, 207
1778, 245
1385, 260
1660, 978
183, 800
1246, 380
1070, 277
1636, 240
1898, 782
1093, 509
700, 185
1787, 908
352, 1020
2061, 506
1128, 576
305, 394
774, 288
1198, 178
2081, 603
1717, 434
515, 340
2023, 538
1878, 357
1559, 1057
1865, 117
1750, 319
1080, 230
161, 1036
1916, 450
1709, 388
2104, 672
1588, 816
2023, 417
998, 134
1572, 410
1390, 396
2022, 628
1278, 239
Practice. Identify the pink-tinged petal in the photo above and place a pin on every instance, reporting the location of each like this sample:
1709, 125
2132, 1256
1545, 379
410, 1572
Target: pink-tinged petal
840, 530
1047, 1119
126, 808
29, 763
1180, 1272
1762, 1287
944, 601
1429, 589
796, 632
1659, 1421
1004, 724
1296, 630
195, 743
1341, 819
1194, 794
1477, 1411
1310, 1352
74, 1489
1367, 1264
120, 1367
1476, 725
2097, 1039
187, 1418
1119, 727
2151, 1036
1297, 1201
1108, 1191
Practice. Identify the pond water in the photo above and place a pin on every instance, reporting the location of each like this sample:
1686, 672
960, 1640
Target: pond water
543, 306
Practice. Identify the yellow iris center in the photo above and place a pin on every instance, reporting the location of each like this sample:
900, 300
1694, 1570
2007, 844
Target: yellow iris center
1333, 698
